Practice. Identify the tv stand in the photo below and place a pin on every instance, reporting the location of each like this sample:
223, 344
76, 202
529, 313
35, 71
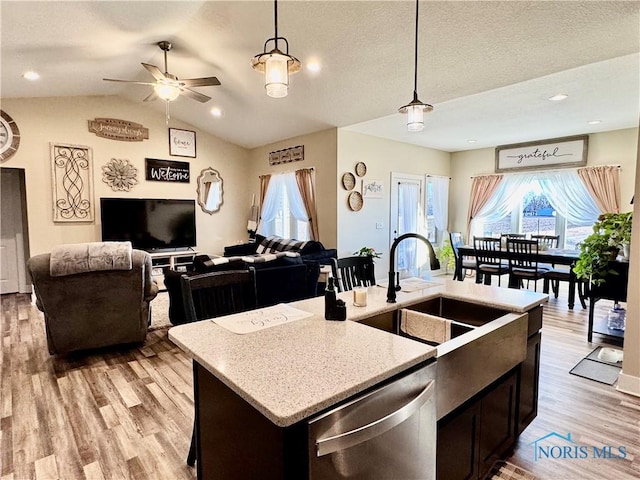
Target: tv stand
178, 260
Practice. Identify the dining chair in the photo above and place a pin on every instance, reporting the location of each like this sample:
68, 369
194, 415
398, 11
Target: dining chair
462, 263
214, 294
488, 261
523, 262
353, 271
547, 241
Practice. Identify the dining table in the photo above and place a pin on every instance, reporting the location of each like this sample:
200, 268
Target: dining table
553, 256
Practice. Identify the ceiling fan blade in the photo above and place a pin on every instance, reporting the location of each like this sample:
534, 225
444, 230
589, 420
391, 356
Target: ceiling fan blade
155, 71
127, 81
200, 82
151, 97
195, 95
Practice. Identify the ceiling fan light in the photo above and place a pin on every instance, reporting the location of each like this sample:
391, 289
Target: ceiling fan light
167, 91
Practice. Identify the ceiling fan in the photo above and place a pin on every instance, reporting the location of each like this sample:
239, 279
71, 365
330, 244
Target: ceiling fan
167, 86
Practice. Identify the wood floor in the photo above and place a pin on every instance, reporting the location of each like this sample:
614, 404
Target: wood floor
128, 413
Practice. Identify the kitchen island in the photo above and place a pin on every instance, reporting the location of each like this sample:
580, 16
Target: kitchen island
278, 377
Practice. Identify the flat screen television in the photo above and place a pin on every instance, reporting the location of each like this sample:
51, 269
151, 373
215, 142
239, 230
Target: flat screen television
149, 223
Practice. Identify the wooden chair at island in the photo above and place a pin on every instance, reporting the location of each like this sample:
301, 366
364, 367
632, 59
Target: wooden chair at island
354, 271
211, 295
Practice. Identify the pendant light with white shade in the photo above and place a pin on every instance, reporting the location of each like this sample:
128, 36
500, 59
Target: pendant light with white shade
275, 64
416, 109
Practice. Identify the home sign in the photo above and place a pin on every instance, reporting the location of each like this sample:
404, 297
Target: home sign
543, 154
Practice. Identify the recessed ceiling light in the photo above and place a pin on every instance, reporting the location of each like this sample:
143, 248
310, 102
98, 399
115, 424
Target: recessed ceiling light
314, 67
594, 122
472, 140
216, 111
31, 75
558, 97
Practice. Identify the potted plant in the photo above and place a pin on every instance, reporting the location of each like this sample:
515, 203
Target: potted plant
610, 233
367, 252
446, 255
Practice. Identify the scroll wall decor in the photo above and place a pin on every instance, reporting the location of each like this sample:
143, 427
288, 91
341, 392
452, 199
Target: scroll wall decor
288, 155
72, 183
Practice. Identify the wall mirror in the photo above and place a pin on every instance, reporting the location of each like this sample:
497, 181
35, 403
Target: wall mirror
209, 190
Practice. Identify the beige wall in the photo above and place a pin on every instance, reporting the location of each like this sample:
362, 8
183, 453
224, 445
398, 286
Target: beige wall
382, 157
617, 147
319, 153
64, 120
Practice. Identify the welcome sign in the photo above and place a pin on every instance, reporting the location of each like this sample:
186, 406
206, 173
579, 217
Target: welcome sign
167, 170
543, 154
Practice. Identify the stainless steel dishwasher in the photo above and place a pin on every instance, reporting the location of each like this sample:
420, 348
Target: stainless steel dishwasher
388, 433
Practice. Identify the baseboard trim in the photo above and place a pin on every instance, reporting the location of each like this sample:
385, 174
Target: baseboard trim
628, 384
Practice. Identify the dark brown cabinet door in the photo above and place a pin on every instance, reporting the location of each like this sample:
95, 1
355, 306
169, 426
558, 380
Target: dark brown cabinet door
497, 420
528, 388
457, 447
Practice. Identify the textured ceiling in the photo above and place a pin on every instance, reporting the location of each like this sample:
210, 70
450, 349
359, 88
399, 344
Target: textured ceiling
487, 67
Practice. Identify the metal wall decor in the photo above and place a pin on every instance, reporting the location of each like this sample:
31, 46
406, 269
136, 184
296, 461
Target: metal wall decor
120, 175
72, 183
287, 155
116, 129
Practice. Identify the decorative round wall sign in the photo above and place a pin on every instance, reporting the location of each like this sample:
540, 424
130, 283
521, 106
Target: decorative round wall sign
361, 169
355, 201
9, 136
348, 181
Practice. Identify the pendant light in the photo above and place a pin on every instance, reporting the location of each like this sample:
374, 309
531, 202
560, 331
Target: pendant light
415, 109
275, 64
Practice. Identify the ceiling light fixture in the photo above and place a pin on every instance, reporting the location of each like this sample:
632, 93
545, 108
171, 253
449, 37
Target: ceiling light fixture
275, 64
31, 75
558, 97
594, 122
167, 90
216, 111
415, 109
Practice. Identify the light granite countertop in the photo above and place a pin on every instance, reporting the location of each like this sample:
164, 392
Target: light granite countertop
291, 371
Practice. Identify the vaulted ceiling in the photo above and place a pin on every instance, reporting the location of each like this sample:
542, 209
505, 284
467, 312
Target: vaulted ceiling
487, 67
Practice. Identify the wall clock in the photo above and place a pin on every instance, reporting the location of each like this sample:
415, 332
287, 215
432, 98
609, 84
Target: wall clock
9, 136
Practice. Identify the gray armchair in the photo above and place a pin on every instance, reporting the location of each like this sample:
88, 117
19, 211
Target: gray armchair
93, 294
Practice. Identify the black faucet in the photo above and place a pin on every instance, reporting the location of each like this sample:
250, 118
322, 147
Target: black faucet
433, 260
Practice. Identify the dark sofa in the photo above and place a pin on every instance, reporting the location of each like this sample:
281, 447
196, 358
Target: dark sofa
282, 280
312, 251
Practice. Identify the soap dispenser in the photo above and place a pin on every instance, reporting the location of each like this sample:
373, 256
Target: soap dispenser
334, 309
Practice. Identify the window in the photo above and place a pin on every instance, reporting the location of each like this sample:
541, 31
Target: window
283, 213
545, 203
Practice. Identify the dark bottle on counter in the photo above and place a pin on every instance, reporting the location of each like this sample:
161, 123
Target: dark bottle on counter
334, 309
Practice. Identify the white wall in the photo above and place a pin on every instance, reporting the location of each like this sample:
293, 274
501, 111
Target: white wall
382, 157
319, 153
616, 147
64, 120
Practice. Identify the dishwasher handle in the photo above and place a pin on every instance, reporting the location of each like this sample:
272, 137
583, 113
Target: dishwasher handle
326, 446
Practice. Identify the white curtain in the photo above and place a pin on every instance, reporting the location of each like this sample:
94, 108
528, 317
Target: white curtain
507, 197
569, 197
408, 202
296, 204
271, 205
440, 191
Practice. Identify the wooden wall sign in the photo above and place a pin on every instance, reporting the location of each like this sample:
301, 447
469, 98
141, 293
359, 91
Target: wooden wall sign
115, 129
288, 155
543, 154
167, 170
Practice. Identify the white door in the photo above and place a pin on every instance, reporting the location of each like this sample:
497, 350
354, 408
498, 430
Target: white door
407, 216
10, 231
